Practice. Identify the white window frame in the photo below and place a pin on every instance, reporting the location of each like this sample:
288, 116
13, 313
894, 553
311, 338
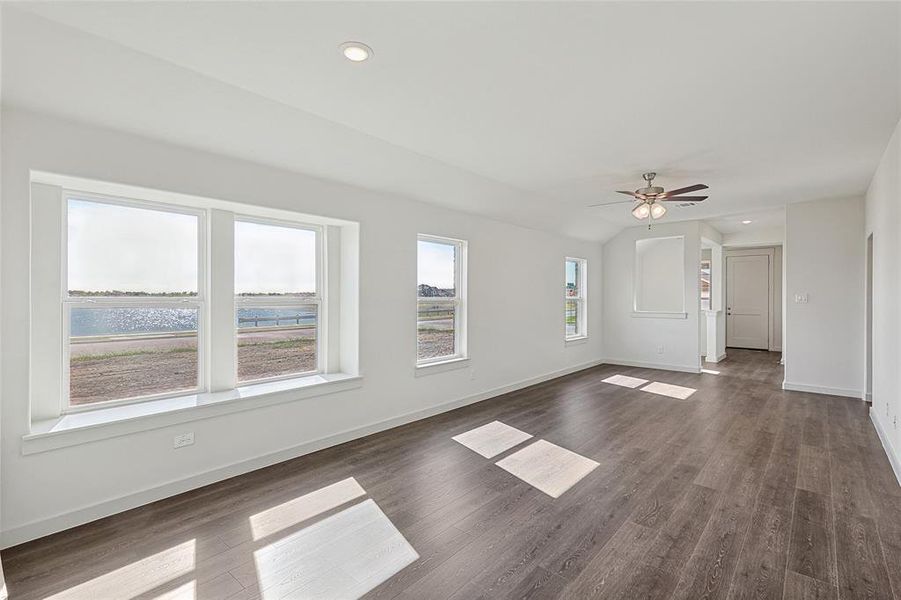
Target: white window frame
319, 299
709, 262
199, 302
458, 301
581, 299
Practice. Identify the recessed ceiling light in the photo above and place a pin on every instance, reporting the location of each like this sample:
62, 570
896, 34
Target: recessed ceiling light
746, 222
356, 51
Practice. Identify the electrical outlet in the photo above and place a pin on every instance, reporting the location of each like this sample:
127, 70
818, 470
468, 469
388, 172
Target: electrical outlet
183, 439
660, 349
472, 374
895, 421
801, 298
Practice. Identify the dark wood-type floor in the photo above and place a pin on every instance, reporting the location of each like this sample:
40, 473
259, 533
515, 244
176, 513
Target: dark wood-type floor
741, 491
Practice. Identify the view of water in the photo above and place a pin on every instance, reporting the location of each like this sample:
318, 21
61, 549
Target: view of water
112, 321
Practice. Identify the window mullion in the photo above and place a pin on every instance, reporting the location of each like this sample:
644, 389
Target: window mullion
220, 339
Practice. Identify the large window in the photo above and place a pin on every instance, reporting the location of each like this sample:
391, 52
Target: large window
441, 299
155, 295
277, 299
575, 294
133, 304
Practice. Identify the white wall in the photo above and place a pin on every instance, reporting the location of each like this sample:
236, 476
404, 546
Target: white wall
659, 279
770, 236
515, 277
631, 339
883, 221
824, 258
3, 591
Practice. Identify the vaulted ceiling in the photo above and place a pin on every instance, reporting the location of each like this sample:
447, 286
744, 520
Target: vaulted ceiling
526, 112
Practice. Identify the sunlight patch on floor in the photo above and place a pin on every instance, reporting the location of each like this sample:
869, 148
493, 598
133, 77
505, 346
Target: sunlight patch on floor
343, 556
548, 467
305, 507
625, 381
492, 439
710, 371
136, 578
187, 591
668, 389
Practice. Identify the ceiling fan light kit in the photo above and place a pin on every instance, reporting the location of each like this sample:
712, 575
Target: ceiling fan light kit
641, 211
649, 198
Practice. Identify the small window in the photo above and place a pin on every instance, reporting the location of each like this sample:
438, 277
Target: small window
575, 294
277, 299
705, 279
132, 306
441, 299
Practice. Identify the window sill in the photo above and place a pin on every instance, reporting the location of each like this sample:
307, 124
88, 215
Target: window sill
659, 315
104, 423
576, 340
451, 364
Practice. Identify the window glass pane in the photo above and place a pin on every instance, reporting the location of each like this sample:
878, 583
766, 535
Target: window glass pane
274, 260
436, 267
118, 250
436, 322
118, 353
572, 317
572, 278
705, 284
276, 341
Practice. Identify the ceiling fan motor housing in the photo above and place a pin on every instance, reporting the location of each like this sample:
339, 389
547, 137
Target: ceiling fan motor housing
650, 191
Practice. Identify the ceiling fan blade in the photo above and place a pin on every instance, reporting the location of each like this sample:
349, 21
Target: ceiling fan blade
633, 194
684, 199
610, 203
685, 190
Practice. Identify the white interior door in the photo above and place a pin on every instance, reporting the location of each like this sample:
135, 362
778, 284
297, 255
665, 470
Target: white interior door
748, 301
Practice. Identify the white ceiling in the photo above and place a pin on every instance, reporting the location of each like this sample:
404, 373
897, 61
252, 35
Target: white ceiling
526, 112
766, 219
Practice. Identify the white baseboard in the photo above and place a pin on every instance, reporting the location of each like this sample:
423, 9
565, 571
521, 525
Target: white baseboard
42, 527
819, 389
647, 365
716, 359
893, 456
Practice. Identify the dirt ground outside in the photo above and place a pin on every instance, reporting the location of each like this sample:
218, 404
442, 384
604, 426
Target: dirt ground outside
435, 342
117, 370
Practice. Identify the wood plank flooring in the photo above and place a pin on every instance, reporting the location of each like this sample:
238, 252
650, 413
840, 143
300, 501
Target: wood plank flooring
740, 491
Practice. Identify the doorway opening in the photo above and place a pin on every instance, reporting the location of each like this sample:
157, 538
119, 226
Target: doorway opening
754, 298
869, 322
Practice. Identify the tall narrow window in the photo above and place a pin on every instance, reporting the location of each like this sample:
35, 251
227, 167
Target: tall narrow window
277, 299
575, 316
133, 302
705, 279
441, 298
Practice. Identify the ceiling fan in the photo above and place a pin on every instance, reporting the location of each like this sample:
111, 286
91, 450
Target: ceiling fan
649, 198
